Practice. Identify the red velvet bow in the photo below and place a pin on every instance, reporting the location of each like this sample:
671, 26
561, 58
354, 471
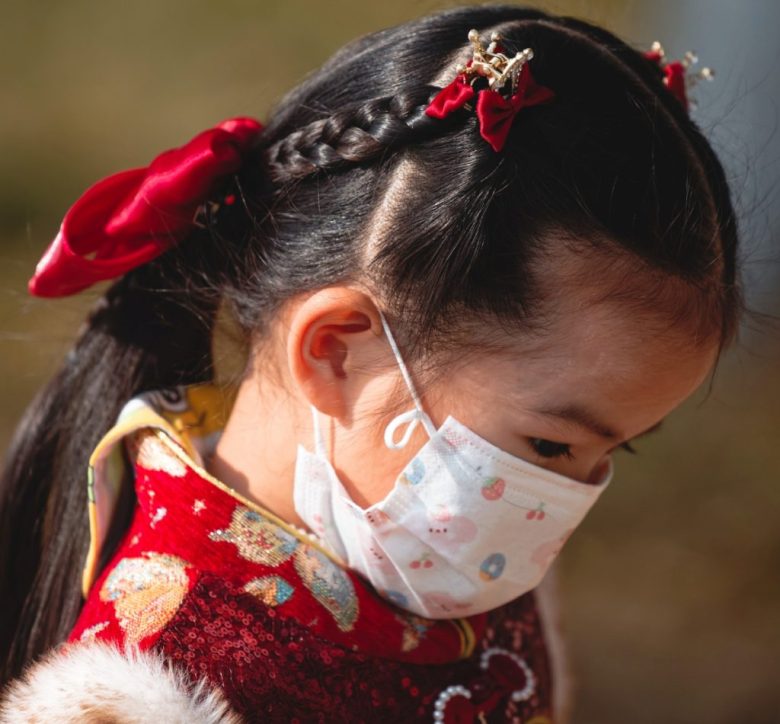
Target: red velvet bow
131, 217
674, 78
495, 113
675, 81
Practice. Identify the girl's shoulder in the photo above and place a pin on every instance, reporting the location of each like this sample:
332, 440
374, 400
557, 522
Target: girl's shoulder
185, 522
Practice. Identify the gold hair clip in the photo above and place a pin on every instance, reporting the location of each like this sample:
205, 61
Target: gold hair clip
493, 64
495, 110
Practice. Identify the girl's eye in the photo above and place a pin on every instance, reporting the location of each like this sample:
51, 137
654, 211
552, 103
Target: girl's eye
550, 449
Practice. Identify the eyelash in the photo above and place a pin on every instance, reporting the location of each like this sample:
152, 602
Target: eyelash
562, 449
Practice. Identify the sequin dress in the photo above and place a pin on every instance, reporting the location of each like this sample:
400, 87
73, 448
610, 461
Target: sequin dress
226, 590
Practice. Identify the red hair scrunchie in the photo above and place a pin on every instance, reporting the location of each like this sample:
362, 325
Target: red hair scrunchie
131, 217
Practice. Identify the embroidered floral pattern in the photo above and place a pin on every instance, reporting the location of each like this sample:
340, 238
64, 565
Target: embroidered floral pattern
329, 584
159, 514
414, 630
271, 590
259, 540
146, 592
89, 634
256, 538
153, 455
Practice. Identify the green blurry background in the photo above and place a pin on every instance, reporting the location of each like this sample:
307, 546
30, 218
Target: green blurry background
671, 593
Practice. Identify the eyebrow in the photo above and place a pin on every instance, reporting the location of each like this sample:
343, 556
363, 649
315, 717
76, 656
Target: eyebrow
584, 418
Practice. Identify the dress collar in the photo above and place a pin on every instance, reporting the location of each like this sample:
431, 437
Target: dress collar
192, 418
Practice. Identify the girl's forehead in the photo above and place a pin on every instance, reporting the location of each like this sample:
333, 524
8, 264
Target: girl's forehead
620, 290
596, 350
624, 372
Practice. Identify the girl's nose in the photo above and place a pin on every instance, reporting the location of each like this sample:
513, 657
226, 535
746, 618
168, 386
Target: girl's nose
598, 472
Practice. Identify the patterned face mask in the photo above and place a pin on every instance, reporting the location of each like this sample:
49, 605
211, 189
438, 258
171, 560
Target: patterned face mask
466, 527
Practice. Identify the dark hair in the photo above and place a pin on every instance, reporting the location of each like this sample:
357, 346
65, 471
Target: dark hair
614, 165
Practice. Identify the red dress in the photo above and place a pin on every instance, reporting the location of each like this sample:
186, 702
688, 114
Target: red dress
227, 591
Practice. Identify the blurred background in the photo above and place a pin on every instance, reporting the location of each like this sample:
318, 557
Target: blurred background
670, 588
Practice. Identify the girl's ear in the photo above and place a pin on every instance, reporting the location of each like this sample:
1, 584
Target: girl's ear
331, 333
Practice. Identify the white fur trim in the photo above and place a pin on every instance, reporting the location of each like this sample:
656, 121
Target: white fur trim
547, 602
97, 682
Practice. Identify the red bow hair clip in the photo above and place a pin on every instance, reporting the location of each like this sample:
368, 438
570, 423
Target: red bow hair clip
130, 217
494, 111
678, 77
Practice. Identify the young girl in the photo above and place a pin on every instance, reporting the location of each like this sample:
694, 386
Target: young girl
470, 258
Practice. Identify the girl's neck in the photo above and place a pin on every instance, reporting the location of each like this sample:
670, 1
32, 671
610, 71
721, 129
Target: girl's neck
255, 454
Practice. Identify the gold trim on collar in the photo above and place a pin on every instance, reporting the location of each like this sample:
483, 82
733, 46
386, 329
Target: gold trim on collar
172, 444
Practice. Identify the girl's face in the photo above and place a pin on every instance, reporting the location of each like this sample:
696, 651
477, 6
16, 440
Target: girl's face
595, 382
597, 378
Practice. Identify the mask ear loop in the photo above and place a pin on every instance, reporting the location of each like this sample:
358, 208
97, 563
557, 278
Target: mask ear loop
319, 443
411, 416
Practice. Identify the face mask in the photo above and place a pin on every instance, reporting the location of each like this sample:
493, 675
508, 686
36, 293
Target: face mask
466, 527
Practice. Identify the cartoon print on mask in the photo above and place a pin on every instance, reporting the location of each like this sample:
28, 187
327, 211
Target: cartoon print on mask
443, 531
493, 488
492, 567
424, 561
375, 555
377, 518
378, 559
256, 538
415, 473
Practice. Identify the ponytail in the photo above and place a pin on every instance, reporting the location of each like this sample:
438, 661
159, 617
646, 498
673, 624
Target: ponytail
150, 329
